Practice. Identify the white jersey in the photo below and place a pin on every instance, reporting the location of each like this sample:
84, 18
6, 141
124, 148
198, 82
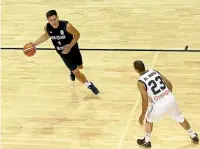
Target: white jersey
156, 88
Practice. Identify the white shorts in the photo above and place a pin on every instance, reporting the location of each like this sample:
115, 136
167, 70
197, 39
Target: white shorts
166, 105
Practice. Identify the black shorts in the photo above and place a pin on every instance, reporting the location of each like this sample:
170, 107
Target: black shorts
73, 58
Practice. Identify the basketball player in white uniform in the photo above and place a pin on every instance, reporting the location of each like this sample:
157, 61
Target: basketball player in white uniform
157, 89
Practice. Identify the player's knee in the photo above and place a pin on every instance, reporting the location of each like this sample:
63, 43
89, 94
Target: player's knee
80, 67
180, 119
76, 72
149, 121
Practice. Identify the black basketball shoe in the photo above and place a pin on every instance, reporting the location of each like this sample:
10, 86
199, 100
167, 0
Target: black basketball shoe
93, 88
143, 143
195, 139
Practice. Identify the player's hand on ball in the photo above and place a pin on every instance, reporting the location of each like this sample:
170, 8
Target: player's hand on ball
32, 44
66, 49
141, 119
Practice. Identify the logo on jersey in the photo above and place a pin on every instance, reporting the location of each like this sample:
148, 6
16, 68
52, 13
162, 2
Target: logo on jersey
58, 37
162, 95
60, 48
61, 32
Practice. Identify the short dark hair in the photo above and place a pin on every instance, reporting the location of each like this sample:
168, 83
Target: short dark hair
51, 13
139, 65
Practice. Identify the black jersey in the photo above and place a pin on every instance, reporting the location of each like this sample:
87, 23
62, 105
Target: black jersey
59, 36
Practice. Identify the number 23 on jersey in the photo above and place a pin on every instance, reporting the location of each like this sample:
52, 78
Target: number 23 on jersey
157, 85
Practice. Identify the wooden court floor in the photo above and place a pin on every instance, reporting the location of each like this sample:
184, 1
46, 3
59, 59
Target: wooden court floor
106, 24
42, 109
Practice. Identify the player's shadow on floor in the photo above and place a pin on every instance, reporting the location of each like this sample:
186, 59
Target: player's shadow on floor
91, 96
76, 92
190, 146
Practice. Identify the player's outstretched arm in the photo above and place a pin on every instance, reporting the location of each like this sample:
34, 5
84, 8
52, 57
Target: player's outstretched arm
42, 39
76, 35
167, 82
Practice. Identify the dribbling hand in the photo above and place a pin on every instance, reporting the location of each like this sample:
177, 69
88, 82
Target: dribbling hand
32, 44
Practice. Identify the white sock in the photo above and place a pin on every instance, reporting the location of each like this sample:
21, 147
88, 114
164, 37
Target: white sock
87, 84
147, 137
191, 133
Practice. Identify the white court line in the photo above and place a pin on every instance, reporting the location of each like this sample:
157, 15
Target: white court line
129, 120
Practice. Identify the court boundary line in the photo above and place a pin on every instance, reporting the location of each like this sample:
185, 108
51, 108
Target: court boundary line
116, 50
130, 118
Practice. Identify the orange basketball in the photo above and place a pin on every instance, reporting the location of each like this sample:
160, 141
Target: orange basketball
29, 49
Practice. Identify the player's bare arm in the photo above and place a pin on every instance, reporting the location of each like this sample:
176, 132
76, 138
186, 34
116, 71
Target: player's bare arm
76, 35
144, 96
42, 39
167, 82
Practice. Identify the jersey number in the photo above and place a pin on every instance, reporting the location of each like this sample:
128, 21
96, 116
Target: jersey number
59, 47
154, 84
59, 43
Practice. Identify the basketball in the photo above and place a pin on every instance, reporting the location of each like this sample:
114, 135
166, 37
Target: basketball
29, 49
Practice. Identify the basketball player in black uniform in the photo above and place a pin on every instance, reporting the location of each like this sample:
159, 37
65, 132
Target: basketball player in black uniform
64, 38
